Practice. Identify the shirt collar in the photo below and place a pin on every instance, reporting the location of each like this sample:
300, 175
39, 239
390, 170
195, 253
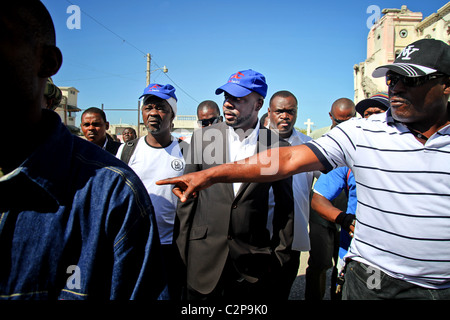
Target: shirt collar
252, 138
48, 167
106, 142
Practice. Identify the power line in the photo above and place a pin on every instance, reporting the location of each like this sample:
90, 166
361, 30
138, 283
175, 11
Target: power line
118, 36
176, 84
133, 46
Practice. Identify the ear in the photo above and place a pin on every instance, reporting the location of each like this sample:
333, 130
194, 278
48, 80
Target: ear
107, 125
447, 86
259, 104
51, 61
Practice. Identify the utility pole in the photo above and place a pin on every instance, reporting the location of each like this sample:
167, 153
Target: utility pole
139, 120
149, 59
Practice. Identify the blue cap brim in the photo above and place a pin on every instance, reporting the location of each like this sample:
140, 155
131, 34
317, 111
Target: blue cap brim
234, 89
158, 94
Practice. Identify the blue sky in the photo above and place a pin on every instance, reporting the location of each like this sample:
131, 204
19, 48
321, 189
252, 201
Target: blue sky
306, 47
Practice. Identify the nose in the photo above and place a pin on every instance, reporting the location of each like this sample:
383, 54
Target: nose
153, 112
398, 87
285, 115
227, 104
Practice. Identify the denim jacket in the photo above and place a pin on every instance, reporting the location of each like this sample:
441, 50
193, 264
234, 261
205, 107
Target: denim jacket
76, 223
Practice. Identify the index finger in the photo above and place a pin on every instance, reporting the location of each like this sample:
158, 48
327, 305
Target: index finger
174, 180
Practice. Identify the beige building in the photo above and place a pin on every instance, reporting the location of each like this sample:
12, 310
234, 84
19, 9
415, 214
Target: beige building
68, 107
388, 36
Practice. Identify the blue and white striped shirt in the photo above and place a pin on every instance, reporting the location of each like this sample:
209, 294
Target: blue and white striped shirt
403, 192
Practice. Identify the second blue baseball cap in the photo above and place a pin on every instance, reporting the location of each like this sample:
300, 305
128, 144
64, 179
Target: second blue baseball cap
166, 92
243, 83
163, 91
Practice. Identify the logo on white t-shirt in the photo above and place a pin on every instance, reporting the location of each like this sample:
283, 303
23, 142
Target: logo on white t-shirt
177, 165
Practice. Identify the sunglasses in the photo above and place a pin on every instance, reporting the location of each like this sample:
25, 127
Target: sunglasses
207, 122
338, 121
393, 78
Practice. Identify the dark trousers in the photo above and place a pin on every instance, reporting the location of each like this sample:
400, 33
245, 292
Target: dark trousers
324, 250
363, 282
232, 287
175, 270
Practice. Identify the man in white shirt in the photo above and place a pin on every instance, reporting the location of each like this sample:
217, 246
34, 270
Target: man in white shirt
223, 239
282, 115
157, 155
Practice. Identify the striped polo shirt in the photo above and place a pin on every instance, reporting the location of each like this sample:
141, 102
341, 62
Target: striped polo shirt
403, 192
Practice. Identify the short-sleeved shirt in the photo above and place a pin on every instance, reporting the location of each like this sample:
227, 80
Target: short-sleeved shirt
403, 192
330, 185
152, 164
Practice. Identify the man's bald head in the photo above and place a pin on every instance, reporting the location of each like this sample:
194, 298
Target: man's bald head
341, 110
208, 112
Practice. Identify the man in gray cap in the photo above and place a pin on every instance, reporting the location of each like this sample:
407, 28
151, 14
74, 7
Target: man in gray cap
400, 162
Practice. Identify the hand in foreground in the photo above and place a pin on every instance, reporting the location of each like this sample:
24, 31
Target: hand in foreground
187, 185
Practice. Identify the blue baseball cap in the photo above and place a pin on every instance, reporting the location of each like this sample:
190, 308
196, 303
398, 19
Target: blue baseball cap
243, 83
166, 92
163, 91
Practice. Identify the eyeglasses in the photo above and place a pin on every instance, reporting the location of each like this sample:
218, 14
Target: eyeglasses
338, 121
393, 78
207, 122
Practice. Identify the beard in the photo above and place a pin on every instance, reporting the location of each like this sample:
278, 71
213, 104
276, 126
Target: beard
236, 123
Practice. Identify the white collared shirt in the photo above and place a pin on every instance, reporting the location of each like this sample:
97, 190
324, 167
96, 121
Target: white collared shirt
238, 150
301, 187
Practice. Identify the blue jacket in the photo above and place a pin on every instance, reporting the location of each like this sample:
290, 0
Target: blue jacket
76, 223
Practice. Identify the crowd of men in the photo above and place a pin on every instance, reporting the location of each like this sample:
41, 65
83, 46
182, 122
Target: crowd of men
225, 215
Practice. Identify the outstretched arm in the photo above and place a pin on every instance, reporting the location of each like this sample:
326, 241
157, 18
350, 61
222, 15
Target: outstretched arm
270, 165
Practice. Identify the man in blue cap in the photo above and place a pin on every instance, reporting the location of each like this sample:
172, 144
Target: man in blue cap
223, 236
157, 155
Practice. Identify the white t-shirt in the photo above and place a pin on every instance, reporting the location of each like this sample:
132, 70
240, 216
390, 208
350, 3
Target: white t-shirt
153, 164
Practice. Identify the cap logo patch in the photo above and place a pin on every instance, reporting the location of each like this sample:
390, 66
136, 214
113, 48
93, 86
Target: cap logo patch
406, 52
237, 75
156, 86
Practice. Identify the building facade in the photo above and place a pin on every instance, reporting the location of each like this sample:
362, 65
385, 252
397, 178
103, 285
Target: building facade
388, 36
68, 107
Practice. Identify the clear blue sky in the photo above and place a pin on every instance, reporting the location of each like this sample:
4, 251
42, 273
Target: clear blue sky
306, 47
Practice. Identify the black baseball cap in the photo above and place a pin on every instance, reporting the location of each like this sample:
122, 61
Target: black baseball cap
418, 59
379, 100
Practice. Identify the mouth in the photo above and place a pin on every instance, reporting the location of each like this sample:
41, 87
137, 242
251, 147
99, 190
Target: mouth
153, 121
397, 102
229, 116
283, 124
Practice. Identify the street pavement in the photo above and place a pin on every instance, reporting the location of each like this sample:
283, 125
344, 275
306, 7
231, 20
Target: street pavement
298, 287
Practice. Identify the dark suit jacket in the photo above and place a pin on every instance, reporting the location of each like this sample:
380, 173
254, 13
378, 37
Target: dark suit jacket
112, 146
217, 225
